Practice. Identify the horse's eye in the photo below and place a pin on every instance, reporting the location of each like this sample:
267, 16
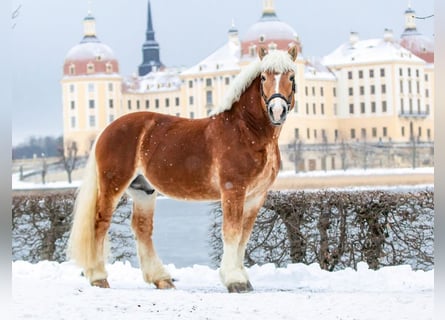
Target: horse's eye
263, 78
292, 78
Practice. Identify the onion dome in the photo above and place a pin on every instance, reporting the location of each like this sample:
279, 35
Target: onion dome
90, 56
269, 31
414, 41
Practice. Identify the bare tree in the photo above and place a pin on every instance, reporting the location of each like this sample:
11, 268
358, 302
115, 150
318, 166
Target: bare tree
69, 159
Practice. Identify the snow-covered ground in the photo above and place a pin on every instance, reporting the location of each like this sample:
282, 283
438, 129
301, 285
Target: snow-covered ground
49, 290
20, 185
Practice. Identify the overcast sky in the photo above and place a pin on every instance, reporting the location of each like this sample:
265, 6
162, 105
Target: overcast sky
187, 31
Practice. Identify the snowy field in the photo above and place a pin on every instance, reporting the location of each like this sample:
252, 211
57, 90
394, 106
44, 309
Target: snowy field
49, 290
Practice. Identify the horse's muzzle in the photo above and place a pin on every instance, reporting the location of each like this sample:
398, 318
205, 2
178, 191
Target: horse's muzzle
277, 111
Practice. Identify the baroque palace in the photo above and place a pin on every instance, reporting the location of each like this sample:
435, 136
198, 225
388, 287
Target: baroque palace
378, 91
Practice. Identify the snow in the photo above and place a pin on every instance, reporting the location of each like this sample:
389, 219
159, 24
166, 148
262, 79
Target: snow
23, 185
49, 290
369, 51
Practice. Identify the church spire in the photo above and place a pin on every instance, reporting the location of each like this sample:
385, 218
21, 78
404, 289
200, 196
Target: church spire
150, 48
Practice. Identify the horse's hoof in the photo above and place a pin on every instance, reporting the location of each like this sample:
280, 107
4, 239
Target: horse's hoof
239, 287
103, 283
165, 284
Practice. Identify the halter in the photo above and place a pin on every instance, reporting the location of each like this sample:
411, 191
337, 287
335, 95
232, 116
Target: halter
278, 95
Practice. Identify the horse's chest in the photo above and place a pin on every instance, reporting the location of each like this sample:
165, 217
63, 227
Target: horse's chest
269, 170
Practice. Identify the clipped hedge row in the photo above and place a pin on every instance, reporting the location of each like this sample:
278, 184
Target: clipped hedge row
338, 229
41, 223
335, 229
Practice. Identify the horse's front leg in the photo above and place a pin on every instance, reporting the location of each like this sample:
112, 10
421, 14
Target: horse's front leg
232, 271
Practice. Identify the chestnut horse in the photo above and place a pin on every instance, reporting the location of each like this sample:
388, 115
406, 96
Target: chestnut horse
231, 156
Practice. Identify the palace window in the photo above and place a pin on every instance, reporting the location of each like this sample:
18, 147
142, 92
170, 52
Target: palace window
352, 133
383, 88
92, 121
157, 103
362, 107
371, 73
147, 104
374, 132
167, 102
91, 104
90, 68
90, 87
73, 122
208, 82
73, 105
360, 74
110, 118
351, 108
72, 69
177, 102
138, 104
384, 106
349, 75
190, 84
373, 107
129, 104
385, 131
191, 100
209, 98
382, 72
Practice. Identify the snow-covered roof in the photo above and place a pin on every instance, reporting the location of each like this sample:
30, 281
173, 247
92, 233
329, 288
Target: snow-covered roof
315, 70
164, 80
89, 51
225, 58
368, 51
271, 30
422, 46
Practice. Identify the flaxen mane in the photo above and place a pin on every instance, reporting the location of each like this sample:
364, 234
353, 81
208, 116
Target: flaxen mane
276, 60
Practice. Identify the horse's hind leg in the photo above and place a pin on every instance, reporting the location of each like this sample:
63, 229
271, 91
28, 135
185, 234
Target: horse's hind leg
106, 204
144, 199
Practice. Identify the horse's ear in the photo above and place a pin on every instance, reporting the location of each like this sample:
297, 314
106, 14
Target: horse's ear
293, 52
262, 51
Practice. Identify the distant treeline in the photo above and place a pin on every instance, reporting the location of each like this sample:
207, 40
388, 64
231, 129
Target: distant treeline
36, 146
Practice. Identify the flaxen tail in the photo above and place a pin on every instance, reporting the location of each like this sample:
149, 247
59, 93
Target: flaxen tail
81, 243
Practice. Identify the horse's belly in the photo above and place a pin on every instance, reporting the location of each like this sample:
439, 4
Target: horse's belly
180, 184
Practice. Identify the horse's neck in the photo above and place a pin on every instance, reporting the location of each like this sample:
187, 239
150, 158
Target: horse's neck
249, 110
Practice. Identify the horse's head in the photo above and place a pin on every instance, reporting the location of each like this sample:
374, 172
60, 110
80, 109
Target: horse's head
278, 85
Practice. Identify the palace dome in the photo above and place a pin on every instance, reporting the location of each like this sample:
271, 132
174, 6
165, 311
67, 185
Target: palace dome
269, 31
414, 41
420, 45
90, 56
